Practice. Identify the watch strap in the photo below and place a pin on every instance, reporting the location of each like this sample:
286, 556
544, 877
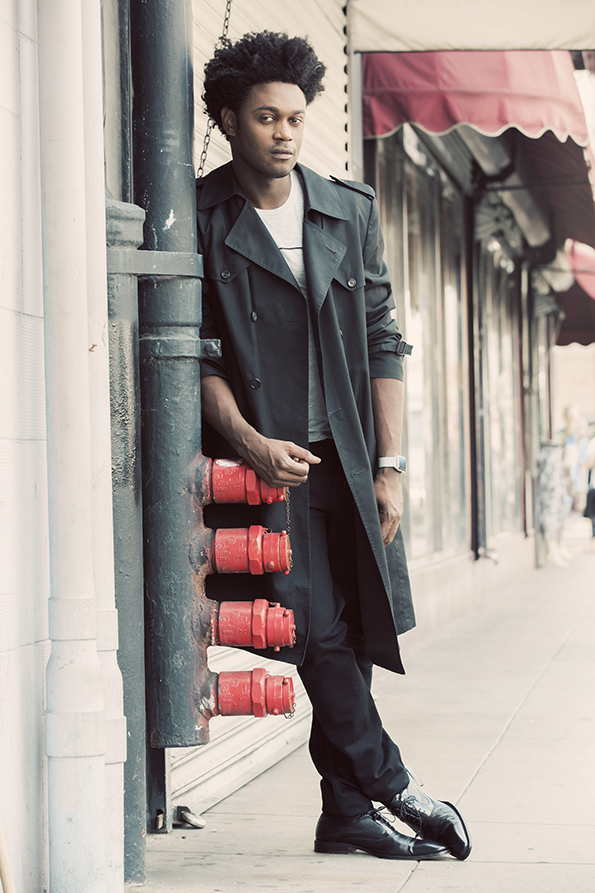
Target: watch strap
399, 463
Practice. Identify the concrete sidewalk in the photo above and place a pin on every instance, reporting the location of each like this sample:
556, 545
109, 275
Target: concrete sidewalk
496, 713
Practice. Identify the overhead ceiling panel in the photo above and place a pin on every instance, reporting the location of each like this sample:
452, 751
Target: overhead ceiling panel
402, 25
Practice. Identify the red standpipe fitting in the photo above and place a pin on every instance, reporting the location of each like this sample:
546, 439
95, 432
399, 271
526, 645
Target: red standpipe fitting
232, 480
254, 693
254, 550
257, 624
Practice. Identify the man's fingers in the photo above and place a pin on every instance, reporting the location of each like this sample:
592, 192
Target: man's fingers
299, 454
389, 499
282, 463
312, 459
389, 531
389, 524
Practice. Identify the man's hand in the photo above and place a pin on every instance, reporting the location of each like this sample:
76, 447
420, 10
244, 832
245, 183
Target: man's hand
388, 486
280, 463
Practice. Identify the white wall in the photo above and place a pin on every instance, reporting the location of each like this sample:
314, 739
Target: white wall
24, 574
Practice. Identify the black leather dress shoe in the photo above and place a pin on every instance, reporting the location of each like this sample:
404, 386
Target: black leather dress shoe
432, 819
373, 834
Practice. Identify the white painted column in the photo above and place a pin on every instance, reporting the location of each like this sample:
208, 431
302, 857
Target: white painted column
101, 457
75, 721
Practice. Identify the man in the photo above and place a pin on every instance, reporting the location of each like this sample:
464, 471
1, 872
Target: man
309, 391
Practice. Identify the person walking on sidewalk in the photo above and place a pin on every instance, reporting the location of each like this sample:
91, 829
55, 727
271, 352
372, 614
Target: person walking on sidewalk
309, 392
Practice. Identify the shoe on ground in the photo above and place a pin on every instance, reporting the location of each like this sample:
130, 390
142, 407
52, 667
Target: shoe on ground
373, 834
431, 819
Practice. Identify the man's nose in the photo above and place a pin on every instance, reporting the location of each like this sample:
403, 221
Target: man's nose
283, 131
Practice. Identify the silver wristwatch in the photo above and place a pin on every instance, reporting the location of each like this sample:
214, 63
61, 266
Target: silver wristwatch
399, 463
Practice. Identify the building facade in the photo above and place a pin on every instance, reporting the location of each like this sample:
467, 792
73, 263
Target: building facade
467, 245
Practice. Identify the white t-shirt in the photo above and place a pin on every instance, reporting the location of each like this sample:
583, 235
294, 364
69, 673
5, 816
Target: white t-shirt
286, 226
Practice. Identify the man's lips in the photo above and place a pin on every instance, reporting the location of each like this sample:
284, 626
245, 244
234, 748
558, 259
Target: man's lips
282, 153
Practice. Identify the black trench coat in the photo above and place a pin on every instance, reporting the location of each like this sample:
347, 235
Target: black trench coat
252, 303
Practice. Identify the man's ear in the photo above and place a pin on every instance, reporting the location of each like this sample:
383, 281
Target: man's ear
229, 121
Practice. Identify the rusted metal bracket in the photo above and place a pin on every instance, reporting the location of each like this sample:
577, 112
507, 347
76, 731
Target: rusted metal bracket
178, 341
165, 341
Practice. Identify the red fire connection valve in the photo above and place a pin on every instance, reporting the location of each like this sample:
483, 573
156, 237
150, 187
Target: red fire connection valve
254, 693
232, 480
256, 624
254, 550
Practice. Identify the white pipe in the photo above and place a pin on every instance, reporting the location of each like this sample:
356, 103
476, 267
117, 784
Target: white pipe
75, 718
357, 116
103, 541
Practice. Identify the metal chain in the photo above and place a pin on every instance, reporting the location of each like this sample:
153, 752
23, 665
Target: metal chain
287, 518
226, 20
205, 148
211, 124
288, 522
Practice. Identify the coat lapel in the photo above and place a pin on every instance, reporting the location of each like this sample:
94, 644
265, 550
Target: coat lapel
323, 252
322, 256
250, 238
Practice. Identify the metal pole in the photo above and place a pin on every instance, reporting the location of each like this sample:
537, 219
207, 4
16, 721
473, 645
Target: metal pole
472, 333
169, 313
75, 717
478, 333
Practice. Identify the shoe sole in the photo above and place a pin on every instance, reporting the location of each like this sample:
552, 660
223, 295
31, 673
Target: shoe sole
344, 849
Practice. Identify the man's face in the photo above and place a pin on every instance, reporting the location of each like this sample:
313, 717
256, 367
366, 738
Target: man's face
266, 134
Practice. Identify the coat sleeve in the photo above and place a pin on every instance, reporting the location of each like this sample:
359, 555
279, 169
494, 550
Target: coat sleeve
386, 347
210, 329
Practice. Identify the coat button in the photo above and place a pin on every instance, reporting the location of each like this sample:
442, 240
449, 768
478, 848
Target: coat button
254, 316
225, 274
255, 384
351, 282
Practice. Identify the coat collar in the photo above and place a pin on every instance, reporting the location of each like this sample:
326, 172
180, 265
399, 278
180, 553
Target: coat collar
321, 195
323, 252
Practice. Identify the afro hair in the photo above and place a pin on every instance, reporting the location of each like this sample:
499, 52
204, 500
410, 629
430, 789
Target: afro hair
261, 58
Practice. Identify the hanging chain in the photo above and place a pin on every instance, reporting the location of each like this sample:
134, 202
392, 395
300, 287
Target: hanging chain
287, 518
211, 124
226, 20
205, 148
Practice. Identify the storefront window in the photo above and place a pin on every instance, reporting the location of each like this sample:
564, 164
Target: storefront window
454, 395
501, 399
423, 224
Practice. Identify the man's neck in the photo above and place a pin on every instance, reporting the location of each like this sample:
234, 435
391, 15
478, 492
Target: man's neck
263, 193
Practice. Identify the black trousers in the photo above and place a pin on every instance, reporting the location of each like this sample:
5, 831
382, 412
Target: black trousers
356, 759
